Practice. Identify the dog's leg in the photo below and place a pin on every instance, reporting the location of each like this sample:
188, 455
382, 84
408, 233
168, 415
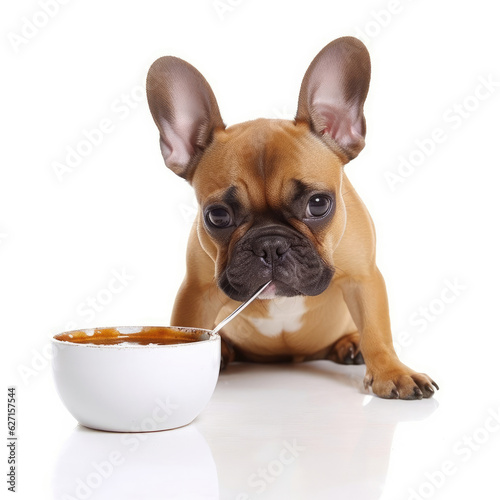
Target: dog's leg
199, 300
228, 354
366, 298
196, 308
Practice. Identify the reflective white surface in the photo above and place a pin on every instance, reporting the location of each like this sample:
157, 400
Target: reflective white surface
106, 465
274, 432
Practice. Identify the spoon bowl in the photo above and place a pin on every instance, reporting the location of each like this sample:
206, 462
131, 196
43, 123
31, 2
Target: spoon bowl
136, 379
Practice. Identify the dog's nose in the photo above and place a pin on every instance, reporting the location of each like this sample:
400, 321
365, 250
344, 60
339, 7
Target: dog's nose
270, 248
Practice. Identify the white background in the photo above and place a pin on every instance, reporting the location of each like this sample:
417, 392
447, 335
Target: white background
62, 237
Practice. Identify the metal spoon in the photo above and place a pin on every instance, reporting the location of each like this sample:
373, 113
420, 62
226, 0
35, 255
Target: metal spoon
224, 322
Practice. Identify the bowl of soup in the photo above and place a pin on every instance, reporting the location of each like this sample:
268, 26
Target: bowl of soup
136, 379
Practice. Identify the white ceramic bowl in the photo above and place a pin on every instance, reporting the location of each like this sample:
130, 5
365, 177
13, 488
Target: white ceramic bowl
134, 387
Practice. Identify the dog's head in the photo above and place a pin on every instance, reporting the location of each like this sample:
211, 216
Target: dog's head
270, 191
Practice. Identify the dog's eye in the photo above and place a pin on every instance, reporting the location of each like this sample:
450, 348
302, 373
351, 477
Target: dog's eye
318, 206
219, 217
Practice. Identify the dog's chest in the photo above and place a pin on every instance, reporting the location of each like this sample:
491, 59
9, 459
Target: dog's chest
285, 314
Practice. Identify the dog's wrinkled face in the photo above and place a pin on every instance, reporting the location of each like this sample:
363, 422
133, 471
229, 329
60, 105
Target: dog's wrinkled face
270, 208
270, 191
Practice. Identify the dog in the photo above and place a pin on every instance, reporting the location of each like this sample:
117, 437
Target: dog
275, 204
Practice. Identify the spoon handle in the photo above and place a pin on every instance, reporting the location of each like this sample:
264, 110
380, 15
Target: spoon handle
224, 322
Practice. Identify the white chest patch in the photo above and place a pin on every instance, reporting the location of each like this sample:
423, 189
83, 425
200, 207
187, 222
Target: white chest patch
285, 314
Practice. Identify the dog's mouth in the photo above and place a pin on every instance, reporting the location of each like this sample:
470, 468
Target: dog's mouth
275, 289
278, 289
276, 253
269, 292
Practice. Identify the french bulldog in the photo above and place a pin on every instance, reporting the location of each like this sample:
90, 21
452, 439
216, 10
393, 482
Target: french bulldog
275, 204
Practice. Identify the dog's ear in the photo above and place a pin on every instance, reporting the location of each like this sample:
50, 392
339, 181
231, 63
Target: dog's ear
332, 95
185, 111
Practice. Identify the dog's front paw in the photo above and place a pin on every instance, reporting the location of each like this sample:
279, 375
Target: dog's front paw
399, 382
346, 350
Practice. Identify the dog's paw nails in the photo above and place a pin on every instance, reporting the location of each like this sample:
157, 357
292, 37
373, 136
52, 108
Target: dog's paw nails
394, 394
346, 350
358, 359
402, 383
418, 393
429, 388
424, 384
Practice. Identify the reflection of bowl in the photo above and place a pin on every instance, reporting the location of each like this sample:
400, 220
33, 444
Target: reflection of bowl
157, 465
133, 379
